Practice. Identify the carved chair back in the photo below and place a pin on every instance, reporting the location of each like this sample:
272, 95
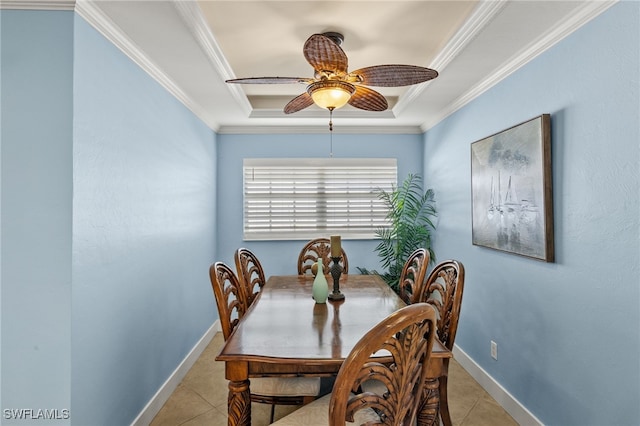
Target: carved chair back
443, 289
412, 275
229, 296
319, 248
250, 274
407, 335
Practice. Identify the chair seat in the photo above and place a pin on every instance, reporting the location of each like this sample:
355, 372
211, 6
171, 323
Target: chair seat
317, 413
285, 386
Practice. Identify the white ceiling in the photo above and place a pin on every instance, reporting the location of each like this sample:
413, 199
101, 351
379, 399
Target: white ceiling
192, 47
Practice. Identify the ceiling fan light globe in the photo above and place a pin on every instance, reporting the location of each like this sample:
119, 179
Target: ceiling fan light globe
331, 94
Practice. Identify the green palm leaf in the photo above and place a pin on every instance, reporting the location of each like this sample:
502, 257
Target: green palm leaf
410, 217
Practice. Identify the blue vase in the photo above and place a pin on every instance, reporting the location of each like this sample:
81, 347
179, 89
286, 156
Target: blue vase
320, 287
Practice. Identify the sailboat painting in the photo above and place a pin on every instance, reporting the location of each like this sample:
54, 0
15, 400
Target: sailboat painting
511, 190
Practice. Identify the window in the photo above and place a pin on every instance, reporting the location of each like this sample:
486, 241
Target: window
304, 198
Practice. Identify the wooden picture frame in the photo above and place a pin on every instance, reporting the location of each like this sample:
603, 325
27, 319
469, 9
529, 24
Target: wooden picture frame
511, 190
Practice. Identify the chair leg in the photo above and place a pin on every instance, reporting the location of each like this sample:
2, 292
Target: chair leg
273, 412
444, 403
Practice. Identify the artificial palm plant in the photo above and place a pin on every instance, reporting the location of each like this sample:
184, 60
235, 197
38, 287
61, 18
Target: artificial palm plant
410, 224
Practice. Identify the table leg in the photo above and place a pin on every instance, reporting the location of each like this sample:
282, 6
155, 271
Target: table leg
239, 403
428, 412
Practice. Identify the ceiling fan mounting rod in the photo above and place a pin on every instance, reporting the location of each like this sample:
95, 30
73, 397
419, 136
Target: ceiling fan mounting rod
335, 36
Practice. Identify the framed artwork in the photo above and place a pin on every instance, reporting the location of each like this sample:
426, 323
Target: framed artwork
511, 191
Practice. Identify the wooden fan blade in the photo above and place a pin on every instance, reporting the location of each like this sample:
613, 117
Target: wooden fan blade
392, 75
298, 103
270, 80
325, 55
368, 99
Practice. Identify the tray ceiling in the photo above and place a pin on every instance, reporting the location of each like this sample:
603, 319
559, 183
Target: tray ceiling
192, 47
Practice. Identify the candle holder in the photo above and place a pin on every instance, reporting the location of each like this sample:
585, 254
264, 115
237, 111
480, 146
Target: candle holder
336, 271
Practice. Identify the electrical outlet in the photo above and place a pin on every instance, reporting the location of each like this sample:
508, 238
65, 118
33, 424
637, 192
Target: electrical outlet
494, 350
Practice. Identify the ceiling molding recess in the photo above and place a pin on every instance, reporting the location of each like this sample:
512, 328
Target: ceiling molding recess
481, 16
337, 130
588, 11
114, 34
192, 16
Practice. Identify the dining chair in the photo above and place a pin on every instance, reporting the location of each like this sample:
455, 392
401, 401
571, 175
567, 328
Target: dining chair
410, 285
319, 248
231, 303
229, 297
250, 274
412, 275
407, 335
443, 290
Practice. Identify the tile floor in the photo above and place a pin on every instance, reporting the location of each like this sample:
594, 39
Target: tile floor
201, 398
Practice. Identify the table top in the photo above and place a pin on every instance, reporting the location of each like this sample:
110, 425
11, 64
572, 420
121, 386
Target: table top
285, 323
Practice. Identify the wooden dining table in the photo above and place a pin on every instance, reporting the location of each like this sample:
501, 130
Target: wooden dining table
286, 334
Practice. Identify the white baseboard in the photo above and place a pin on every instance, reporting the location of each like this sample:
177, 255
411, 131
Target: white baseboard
511, 405
162, 395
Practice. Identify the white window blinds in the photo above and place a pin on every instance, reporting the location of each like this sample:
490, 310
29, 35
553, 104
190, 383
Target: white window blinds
304, 198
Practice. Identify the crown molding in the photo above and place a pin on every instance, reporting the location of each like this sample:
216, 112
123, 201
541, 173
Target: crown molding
37, 5
586, 13
192, 16
319, 113
338, 130
479, 19
112, 32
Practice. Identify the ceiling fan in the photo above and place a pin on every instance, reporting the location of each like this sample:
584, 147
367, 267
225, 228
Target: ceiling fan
332, 86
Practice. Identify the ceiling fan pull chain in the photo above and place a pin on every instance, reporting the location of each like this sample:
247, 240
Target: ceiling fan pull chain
331, 132
330, 119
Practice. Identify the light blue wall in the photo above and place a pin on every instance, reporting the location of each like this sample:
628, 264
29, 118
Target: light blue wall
108, 224
36, 191
0, 209
143, 233
280, 257
568, 332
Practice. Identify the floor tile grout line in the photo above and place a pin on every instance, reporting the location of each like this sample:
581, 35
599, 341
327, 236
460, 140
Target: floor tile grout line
218, 379
466, 416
